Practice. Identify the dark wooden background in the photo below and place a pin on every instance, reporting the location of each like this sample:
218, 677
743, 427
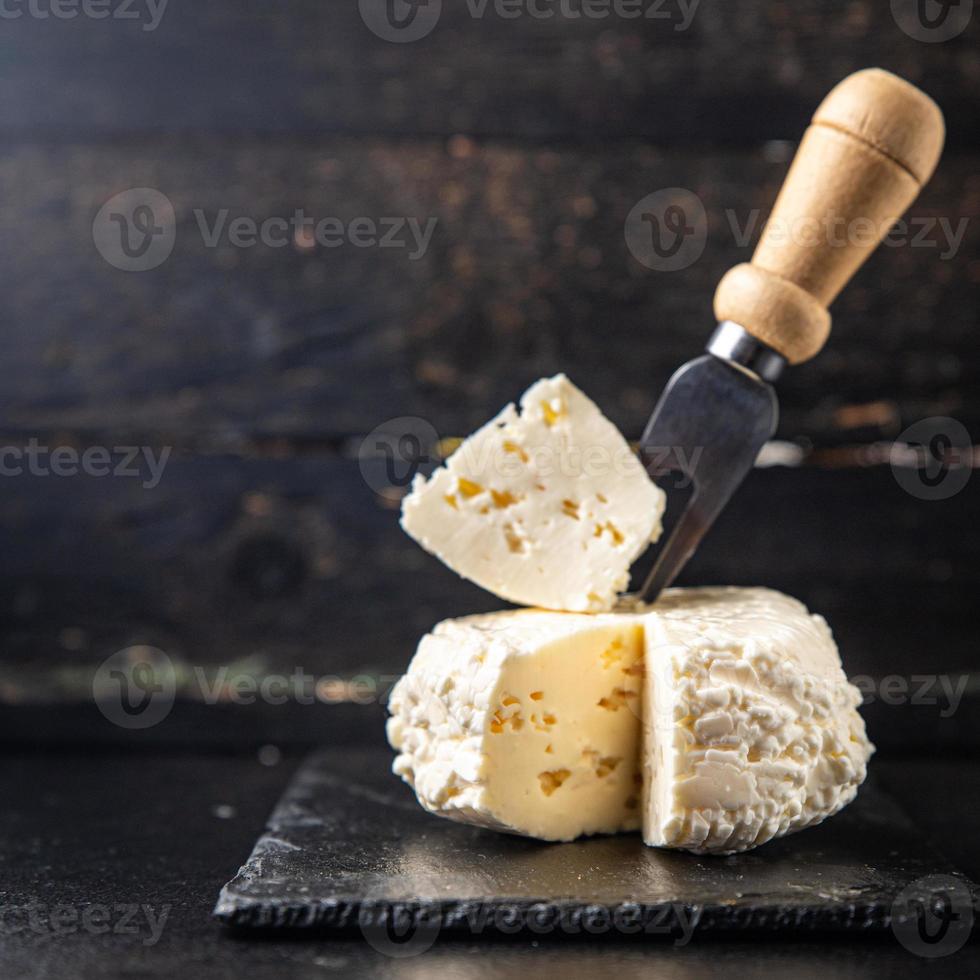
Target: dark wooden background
263, 546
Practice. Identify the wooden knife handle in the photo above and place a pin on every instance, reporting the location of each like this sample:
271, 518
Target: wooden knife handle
872, 144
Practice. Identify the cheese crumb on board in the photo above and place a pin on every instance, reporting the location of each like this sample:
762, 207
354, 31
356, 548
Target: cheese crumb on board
714, 721
546, 507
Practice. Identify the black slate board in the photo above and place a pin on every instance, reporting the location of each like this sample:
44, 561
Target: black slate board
349, 849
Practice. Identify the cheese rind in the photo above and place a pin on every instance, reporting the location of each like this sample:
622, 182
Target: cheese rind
530, 721
548, 507
751, 729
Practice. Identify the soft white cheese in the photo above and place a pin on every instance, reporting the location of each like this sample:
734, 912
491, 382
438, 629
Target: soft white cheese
548, 507
525, 721
530, 721
751, 729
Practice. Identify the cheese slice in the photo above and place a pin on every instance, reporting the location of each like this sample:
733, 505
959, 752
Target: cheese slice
714, 720
548, 507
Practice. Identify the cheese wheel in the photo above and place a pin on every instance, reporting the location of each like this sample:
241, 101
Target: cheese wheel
714, 721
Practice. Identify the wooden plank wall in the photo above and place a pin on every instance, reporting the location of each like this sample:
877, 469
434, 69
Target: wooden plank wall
262, 369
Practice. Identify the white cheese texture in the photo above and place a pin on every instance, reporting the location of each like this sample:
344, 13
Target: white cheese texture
525, 721
715, 720
545, 507
751, 728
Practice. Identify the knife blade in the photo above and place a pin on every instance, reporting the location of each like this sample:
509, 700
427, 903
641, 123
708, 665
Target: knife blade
714, 416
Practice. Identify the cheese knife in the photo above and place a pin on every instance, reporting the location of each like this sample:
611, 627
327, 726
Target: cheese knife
872, 144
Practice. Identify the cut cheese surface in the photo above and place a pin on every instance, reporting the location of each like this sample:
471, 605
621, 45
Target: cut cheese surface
714, 720
545, 507
525, 721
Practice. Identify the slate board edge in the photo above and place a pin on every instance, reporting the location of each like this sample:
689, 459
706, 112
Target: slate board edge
541, 918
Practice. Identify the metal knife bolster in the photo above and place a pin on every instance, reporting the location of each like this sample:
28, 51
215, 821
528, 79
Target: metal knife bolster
733, 343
